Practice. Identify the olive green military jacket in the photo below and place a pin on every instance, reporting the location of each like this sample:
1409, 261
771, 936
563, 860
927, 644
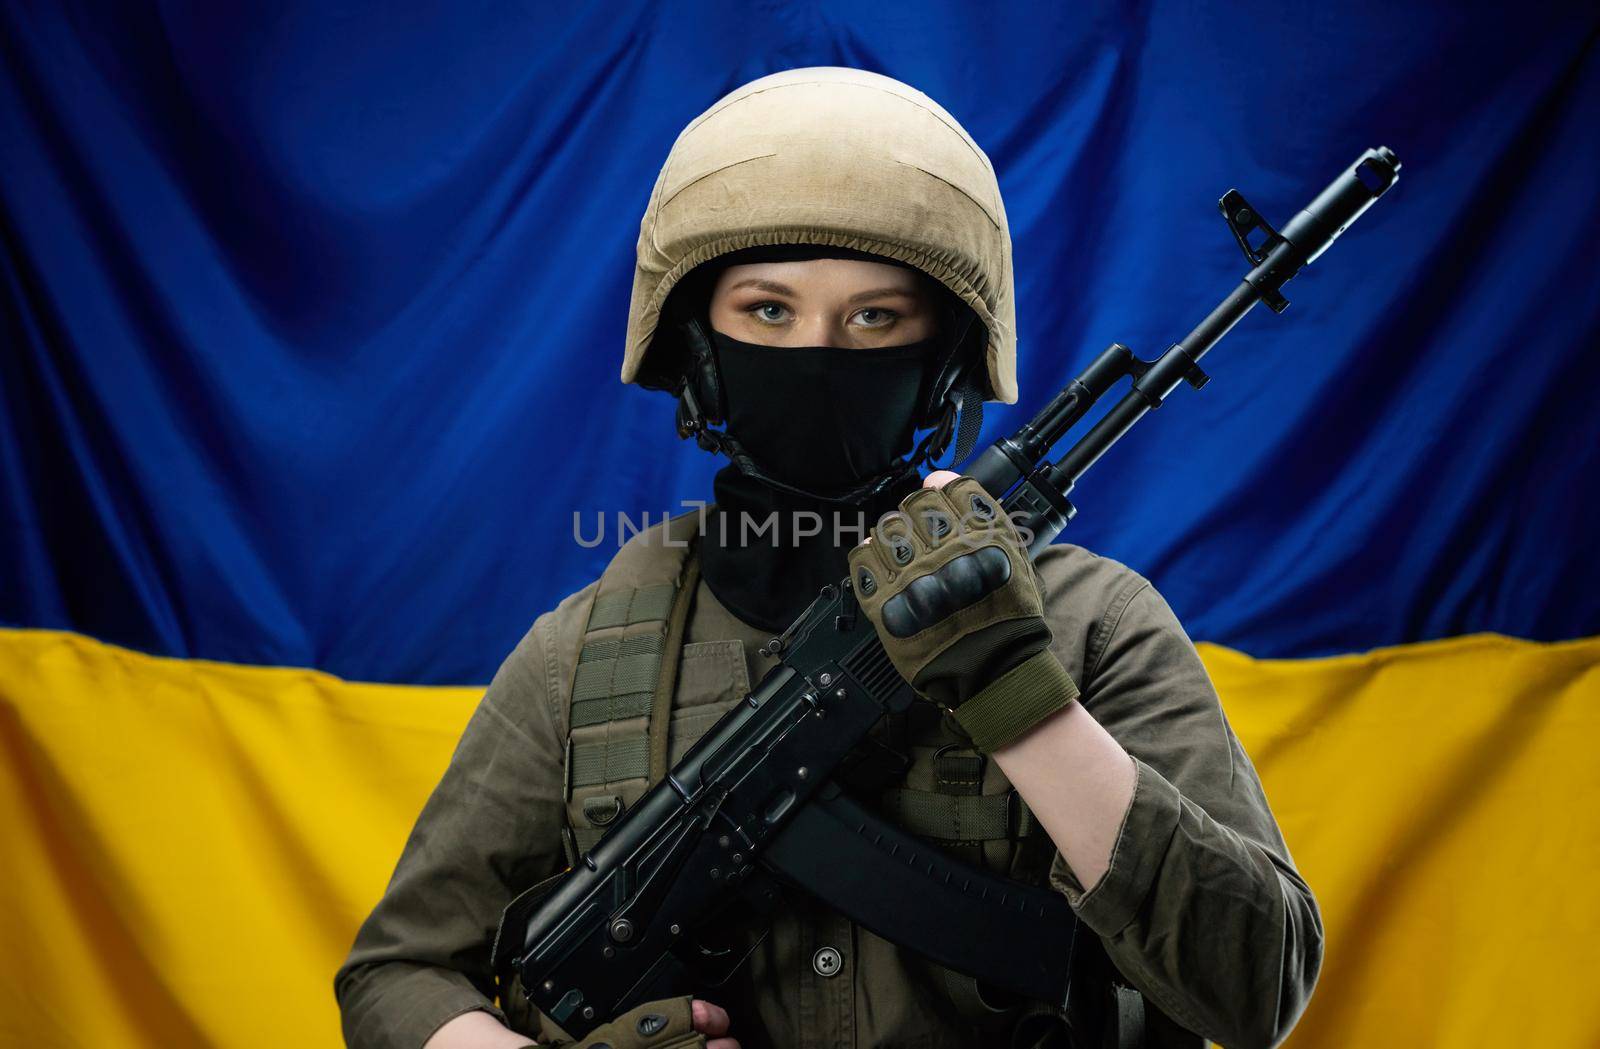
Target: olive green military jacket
1202, 909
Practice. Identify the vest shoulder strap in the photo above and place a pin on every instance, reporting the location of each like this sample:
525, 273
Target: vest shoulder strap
619, 700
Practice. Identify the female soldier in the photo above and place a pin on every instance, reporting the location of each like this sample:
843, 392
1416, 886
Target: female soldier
824, 270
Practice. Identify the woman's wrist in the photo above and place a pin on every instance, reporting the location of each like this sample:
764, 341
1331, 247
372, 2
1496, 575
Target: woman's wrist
476, 1030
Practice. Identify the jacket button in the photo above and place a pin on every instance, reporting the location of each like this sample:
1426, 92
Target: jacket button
826, 962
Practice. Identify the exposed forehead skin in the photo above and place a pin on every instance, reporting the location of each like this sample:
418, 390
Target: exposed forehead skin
829, 277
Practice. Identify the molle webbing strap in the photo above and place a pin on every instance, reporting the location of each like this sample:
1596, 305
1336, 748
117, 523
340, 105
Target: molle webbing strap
616, 679
667, 673
631, 606
958, 817
958, 773
956, 810
620, 702
610, 759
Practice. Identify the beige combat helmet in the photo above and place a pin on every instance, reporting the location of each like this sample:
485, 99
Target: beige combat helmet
839, 157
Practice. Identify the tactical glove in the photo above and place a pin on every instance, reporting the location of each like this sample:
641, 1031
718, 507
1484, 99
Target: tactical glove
666, 1024
947, 583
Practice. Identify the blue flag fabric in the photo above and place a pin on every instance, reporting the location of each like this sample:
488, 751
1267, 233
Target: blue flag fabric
311, 317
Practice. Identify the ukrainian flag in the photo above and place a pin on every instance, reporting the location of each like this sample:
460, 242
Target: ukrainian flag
309, 329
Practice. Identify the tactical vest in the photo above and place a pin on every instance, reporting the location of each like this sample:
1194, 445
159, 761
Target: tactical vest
640, 698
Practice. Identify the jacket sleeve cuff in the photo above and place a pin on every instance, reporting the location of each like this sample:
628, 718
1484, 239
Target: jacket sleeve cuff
1016, 701
1141, 847
415, 1005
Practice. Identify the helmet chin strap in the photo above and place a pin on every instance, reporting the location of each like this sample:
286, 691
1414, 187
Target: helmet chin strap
962, 416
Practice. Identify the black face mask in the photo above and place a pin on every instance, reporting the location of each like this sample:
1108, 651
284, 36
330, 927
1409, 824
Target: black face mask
824, 418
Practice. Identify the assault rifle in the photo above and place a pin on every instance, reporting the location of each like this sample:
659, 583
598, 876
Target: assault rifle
753, 803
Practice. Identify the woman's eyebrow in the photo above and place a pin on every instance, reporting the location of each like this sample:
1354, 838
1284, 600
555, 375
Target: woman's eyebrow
775, 288
878, 293
764, 285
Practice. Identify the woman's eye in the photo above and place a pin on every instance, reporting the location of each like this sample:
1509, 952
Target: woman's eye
770, 312
877, 318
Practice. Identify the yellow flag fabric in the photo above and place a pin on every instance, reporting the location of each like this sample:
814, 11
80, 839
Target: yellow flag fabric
189, 846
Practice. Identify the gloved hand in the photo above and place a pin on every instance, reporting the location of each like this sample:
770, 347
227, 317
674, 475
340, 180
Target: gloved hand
672, 1023
949, 587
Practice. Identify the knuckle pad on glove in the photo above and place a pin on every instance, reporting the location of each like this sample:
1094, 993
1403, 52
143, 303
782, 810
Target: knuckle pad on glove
950, 592
868, 573
939, 594
979, 514
927, 510
891, 531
